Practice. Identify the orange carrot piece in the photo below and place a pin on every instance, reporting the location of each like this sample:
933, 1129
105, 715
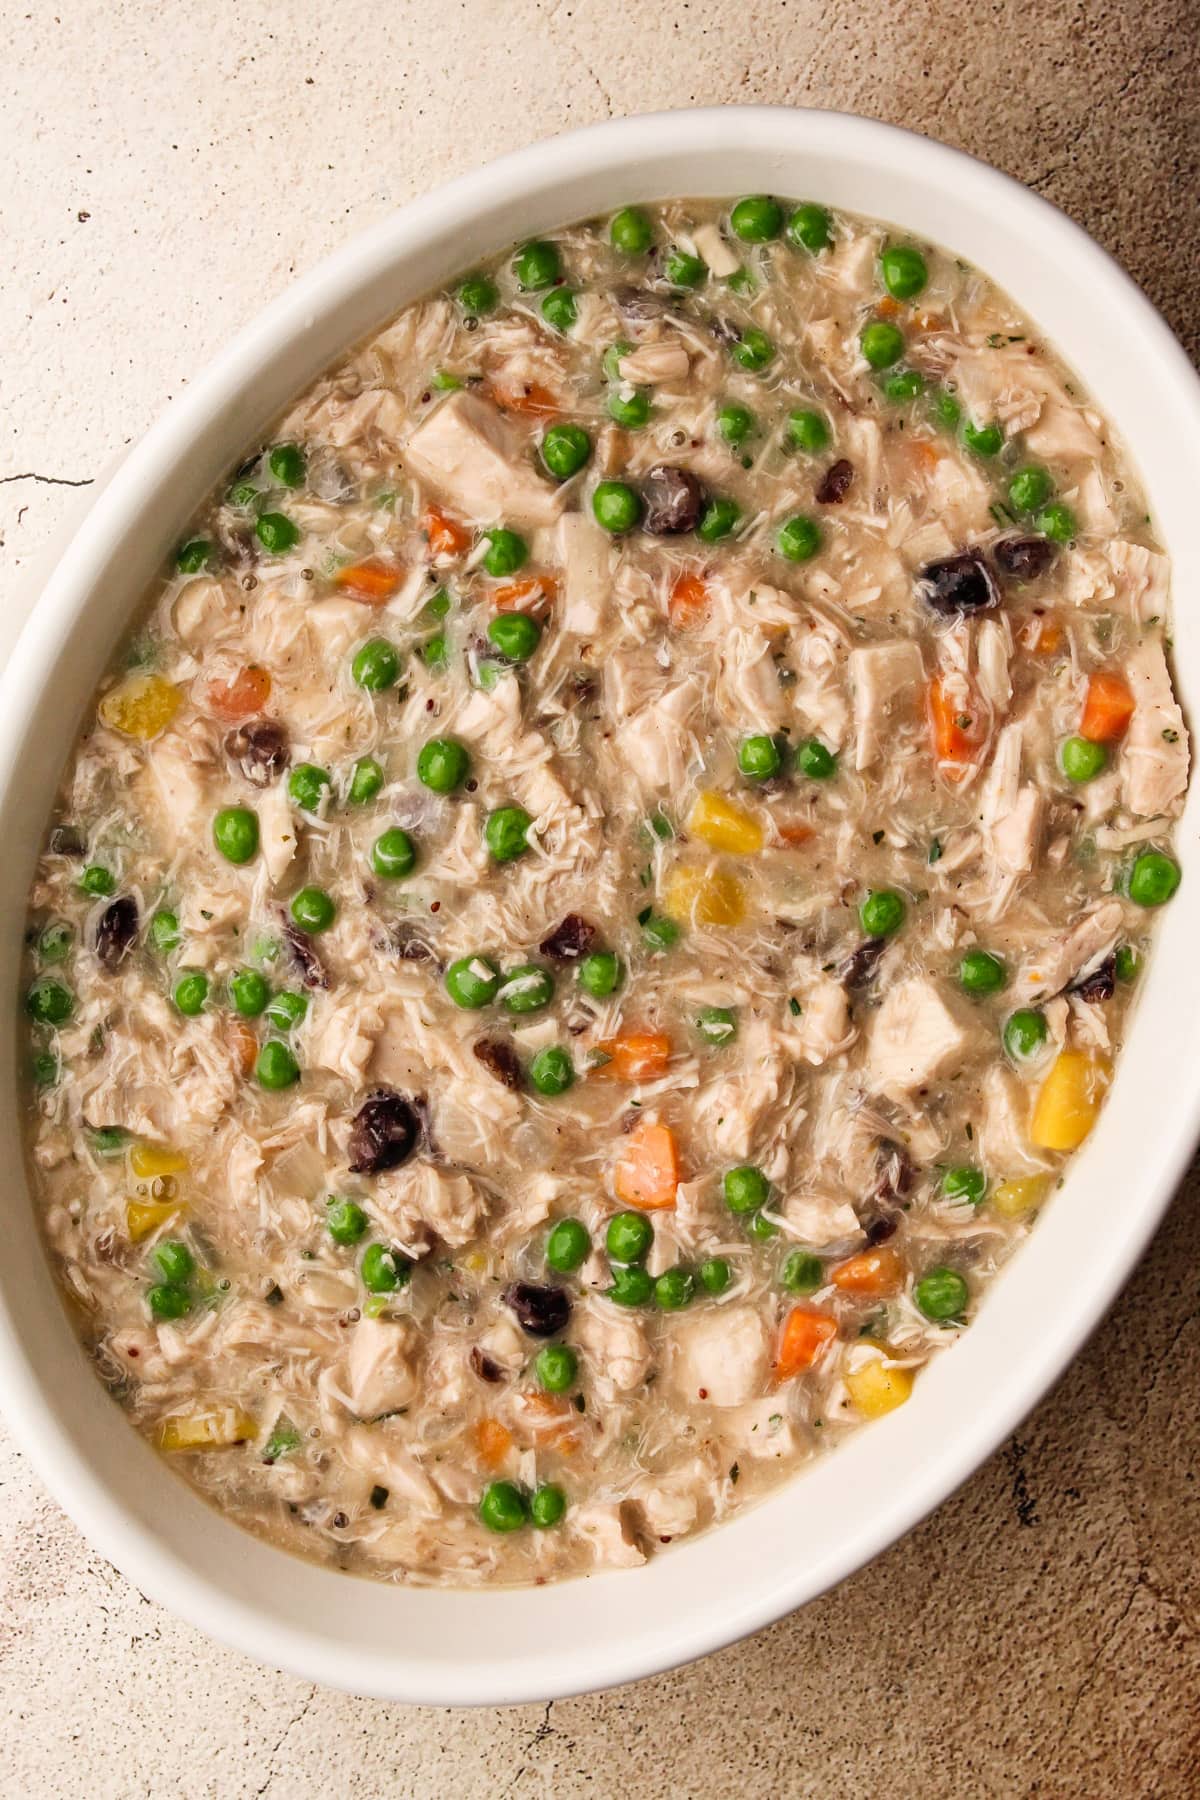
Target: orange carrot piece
806, 1331
870, 1272
647, 1173
1046, 637
795, 834
525, 595
493, 1441
245, 693
925, 455
528, 398
888, 307
636, 1056
447, 537
689, 601
957, 729
547, 1419
1107, 709
373, 580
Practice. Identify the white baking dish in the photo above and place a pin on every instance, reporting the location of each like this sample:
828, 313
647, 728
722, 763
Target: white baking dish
423, 1644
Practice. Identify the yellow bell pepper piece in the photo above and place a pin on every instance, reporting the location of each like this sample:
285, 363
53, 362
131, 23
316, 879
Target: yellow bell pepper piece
876, 1389
1012, 1199
144, 1216
1070, 1097
207, 1431
148, 1161
141, 706
719, 822
693, 896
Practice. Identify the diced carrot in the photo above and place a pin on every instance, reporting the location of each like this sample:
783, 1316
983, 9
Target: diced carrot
636, 1056
1044, 636
373, 580
493, 1441
526, 595
870, 1272
689, 601
957, 726
647, 1172
888, 307
806, 1331
928, 321
795, 834
547, 1419
245, 693
924, 455
447, 537
1107, 709
528, 398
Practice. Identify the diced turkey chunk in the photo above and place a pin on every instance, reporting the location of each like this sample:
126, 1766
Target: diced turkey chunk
820, 1220
344, 1036
763, 1430
914, 1037
657, 742
422, 1195
711, 246
277, 832
720, 1357
1003, 1126
1058, 962
614, 1342
477, 462
666, 1509
651, 364
374, 1451
1140, 579
604, 1525
585, 552
886, 682
824, 1028
1062, 434
380, 1376
1154, 756
748, 685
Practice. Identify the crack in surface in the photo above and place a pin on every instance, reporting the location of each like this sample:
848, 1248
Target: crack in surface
281, 1739
48, 480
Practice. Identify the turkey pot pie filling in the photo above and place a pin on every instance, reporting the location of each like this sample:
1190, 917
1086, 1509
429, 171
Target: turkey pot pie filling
602, 893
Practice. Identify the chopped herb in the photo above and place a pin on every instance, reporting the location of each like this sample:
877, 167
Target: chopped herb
734, 1473
645, 914
1170, 736
935, 851
794, 1007
877, 837
379, 1497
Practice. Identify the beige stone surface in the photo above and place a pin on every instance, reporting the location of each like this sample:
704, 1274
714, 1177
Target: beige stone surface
167, 167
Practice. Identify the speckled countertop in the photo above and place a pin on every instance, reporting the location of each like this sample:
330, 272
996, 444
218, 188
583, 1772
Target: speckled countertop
167, 169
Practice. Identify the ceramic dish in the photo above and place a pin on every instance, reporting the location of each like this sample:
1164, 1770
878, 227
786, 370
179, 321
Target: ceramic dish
455, 1647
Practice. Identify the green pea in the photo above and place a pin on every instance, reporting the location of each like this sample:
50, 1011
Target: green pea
659, 933
903, 386
308, 786
982, 440
565, 450
556, 1368
903, 270
54, 944
506, 833
718, 519
631, 412
760, 1228
97, 881
799, 538
547, 1506
631, 231
628, 1237
567, 1246
48, 1002
383, 1270
735, 423
191, 993
235, 833
346, 1221
882, 912
941, 1295
674, 1290
683, 270
808, 431
165, 934
551, 1071
312, 909
168, 1302
526, 989
276, 533
286, 463
802, 1272
44, 1069
809, 228
745, 1189
366, 779
1153, 879
1128, 962
979, 972
174, 1262
945, 408
249, 992
375, 666
537, 264
1025, 1034
243, 494
1030, 488
471, 982
966, 1184
515, 635
559, 309
434, 652
715, 1275
881, 343
756, 219
1057, 522
753, 351
616, 507
717, 1024
276, 1067
759, 758
600, 974
477, 295
612, 359
286, 1010
443, 764
108, 1141
393, 854
502, 1507
193, 556
507, 552
815, 761
631, 1287
1082, 760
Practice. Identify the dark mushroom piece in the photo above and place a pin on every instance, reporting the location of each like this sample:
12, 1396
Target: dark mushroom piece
858, 970
484, 1366
67, 840
259, 749
895, 1172
385, 1132
569, 940
639, 305
500, 1060
834, 485
1023, 558
313, 972
958, 584
540, 1311
1100, 984
673, 500
116, 930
